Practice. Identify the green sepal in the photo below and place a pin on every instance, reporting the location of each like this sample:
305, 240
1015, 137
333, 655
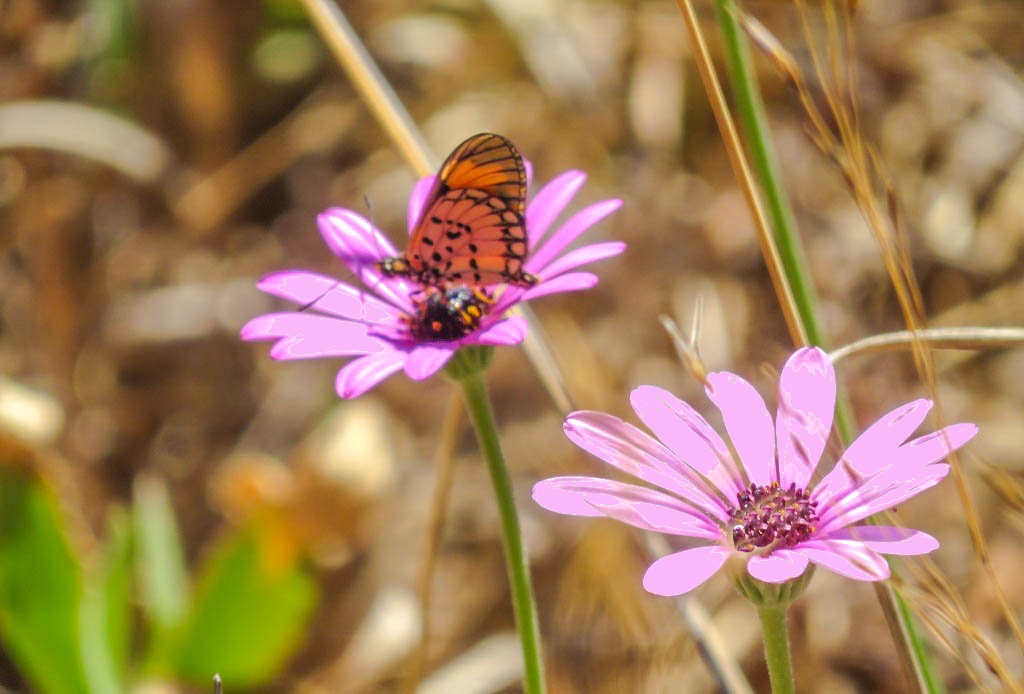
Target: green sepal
468, 361
769, 594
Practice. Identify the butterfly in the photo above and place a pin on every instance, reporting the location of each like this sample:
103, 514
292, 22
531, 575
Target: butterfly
472, 228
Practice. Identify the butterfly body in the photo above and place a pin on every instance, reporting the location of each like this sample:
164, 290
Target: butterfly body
472, 229
449, 313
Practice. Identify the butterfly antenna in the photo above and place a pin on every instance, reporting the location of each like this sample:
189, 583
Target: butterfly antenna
369, 209
314, 302
358, 274
373, 230
373, 226
381, 252
218, 687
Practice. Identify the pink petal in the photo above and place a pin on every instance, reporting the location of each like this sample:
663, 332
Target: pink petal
807, 400
360, 246
778, 567
417, 199
849, 496
573, 228
656, 517
580, 495
570, 282
873, 449
683, 571
846, 558
887, 539
507, 298
328, 295
935, 446
549, 202
748, 423
426, 360
360, 375
688, 435
898, 493
582, 256
643, 508
562, 495
510, 331
627, 448
878, 494
352, 237
311, 336
905, 463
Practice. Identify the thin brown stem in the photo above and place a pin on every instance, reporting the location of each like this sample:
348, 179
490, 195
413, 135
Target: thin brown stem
371, 84
741, 170
445, 469
937, 338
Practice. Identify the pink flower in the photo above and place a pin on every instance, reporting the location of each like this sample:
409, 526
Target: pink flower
382, 327
765, 507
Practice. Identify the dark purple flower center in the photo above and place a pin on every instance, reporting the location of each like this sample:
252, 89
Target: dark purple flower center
448, 313
770, 515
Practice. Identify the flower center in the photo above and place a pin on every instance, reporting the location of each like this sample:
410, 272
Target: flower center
448, 313
770, 515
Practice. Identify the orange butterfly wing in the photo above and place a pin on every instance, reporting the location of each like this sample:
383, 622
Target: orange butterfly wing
472, 229
485, 162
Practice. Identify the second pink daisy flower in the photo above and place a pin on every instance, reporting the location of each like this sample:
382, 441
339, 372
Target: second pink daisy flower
762, 506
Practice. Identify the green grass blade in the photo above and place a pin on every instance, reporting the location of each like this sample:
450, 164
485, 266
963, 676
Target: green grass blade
40, 587
249, 615
106, 611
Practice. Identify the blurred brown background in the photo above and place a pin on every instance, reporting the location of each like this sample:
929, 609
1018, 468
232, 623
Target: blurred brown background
157, 158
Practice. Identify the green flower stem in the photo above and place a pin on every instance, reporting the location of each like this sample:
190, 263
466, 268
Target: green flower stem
751, 111
776, 647
765, 164
479, 407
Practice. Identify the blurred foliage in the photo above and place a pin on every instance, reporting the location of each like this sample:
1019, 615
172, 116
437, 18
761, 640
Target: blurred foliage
70, 635
248, 615
40, 587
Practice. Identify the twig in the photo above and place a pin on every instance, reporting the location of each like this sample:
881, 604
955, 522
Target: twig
937, 338
371, 84
444, 467
87, 132
742, 172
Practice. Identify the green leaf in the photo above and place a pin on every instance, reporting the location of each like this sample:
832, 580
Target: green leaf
106, 611
248, 616
162, 577
40, 586
284, 11
160, 559
114, 34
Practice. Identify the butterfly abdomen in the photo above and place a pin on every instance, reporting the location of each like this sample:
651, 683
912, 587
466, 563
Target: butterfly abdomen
449, 313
